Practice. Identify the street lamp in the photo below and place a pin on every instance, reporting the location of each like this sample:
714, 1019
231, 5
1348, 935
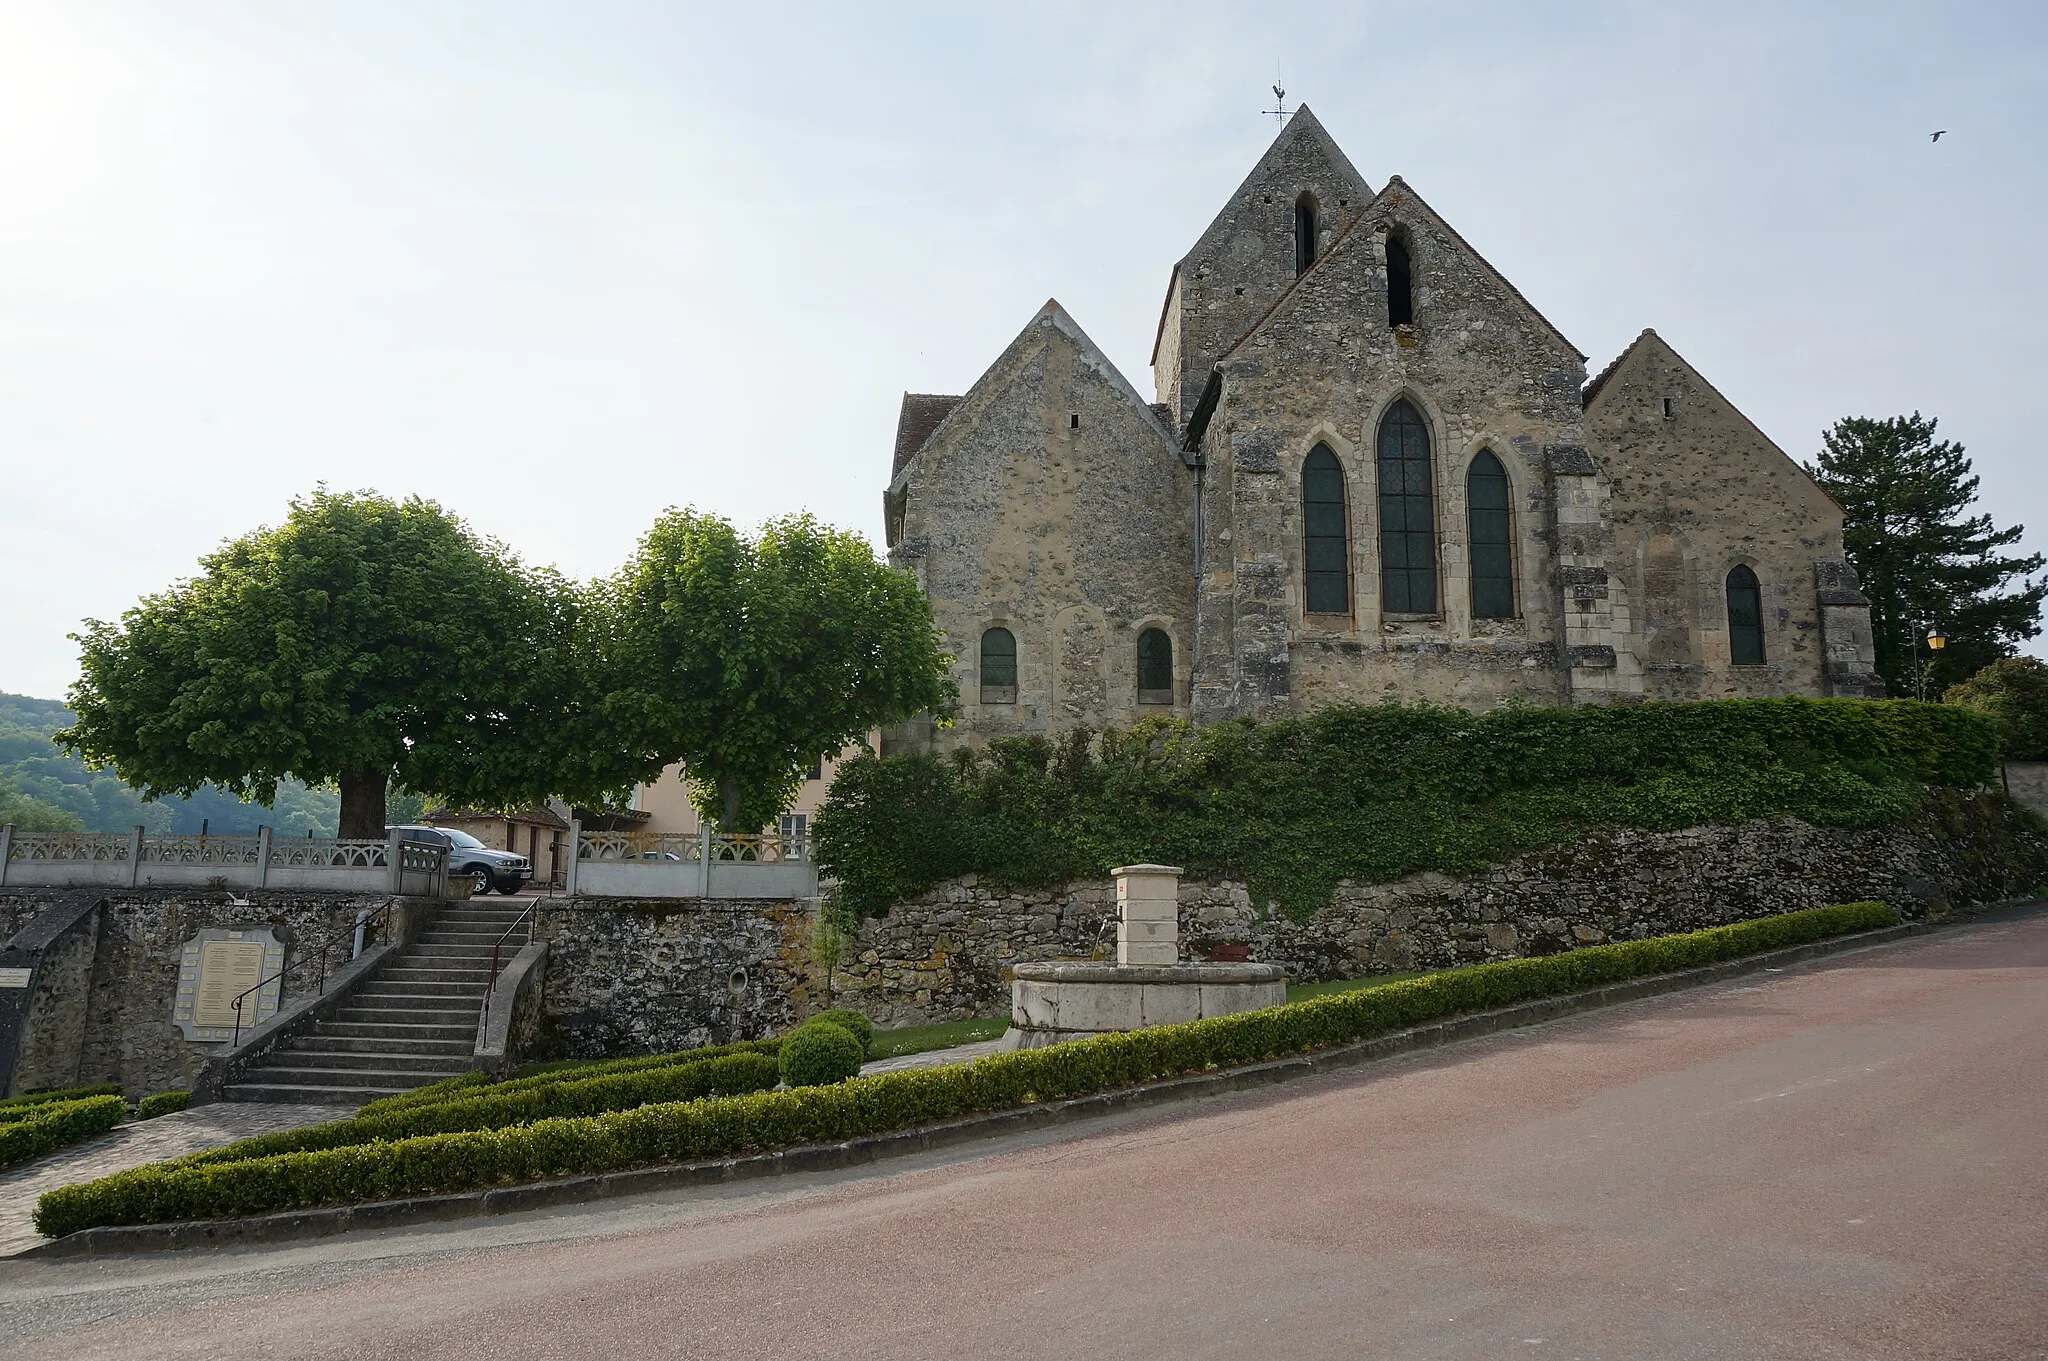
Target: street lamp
1936, 641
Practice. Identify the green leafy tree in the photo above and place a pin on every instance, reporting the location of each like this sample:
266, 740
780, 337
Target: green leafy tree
1924, 559
2013, 691
30, 814
361, 641
747, 659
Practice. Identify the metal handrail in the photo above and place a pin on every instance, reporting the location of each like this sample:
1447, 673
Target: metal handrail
304, 959
517, 922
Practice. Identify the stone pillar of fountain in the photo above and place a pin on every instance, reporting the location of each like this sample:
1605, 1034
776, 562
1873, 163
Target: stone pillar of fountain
1147, 914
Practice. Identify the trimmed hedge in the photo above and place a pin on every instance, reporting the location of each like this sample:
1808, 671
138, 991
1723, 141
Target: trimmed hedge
685, 1131
1370, 793
15, 1103
161, 1103
57, 1123
473, 1084
725, 1075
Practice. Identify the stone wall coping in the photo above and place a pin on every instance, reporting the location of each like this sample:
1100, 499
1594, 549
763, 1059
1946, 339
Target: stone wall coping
1122, 870
494, 1044
1099, 971
288, 1225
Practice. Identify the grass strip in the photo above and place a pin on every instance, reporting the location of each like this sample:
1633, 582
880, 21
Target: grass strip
683, 1131
919, 1039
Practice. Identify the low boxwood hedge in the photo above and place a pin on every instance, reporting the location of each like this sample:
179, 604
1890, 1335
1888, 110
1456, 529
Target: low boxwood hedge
57, 1123
724, 1075
10, 1107
161, 1103
474, 1084
684, 1131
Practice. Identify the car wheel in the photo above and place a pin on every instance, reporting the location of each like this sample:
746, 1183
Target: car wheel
480, 880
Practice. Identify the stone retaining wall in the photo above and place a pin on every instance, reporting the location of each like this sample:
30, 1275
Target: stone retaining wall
635, 977
103, 1013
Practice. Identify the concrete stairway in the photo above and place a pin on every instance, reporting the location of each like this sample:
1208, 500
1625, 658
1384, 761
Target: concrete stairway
412, 1022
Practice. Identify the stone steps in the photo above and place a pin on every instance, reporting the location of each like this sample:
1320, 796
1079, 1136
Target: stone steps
413, 1022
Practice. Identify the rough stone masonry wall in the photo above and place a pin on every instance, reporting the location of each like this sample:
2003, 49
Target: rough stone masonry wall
628, 976
138, 942
943, 956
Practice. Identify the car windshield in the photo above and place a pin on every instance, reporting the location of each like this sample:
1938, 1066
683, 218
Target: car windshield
463, 839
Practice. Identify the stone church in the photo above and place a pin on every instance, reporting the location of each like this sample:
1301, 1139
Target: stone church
1371, 470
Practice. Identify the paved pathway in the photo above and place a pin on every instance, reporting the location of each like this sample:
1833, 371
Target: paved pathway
1842, 1160
126, 1146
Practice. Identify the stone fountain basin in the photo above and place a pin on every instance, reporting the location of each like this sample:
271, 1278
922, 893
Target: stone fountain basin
1055, 1000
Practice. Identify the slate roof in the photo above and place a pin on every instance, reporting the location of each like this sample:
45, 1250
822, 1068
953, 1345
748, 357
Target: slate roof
921, 414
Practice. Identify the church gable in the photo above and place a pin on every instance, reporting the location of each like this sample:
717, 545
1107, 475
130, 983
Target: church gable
1661, 430
1701, 502
1050, 504
1287, 212
1401, 275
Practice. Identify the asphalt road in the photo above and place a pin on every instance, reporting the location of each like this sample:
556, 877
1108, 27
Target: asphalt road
1844, 1160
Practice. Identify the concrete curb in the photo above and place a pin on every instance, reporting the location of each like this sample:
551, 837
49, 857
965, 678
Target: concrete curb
288, 1225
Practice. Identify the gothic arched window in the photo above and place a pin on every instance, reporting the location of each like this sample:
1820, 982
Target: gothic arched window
1155, 667
1304, 232
1745, 617
1326, 553
1407, 513
998, 667
1400, 283
1490, 533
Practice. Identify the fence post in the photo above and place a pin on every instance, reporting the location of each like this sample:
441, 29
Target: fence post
394, 851
263, 856
707, 847
575, 854
135, 855
6, 849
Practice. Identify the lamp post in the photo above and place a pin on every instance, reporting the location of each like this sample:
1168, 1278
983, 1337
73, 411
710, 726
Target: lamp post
1936, 641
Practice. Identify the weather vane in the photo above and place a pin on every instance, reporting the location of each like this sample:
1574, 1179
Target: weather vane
1279, 109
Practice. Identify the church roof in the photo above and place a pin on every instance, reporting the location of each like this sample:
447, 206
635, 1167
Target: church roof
921, 414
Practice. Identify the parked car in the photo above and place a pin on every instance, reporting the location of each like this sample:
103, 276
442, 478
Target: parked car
471, 859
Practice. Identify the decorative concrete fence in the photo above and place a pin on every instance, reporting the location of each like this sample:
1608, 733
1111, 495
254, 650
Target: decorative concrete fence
690, 865
138, 860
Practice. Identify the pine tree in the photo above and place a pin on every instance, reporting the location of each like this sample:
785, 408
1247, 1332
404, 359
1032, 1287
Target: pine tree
1925, 561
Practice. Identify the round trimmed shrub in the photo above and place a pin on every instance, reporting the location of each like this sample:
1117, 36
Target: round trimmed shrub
819, 1054
850, 1021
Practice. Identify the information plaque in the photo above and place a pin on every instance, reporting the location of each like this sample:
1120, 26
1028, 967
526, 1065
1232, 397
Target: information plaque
218, 966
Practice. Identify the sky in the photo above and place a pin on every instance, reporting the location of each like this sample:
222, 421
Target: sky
560, 266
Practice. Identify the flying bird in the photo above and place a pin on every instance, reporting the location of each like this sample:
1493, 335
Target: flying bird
1937, 136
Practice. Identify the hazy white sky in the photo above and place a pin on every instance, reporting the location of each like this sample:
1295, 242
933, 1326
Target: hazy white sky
561, 265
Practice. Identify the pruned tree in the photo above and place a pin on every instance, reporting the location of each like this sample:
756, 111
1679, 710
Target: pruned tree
361, 641
2014, 691
748, 659
1925, 560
